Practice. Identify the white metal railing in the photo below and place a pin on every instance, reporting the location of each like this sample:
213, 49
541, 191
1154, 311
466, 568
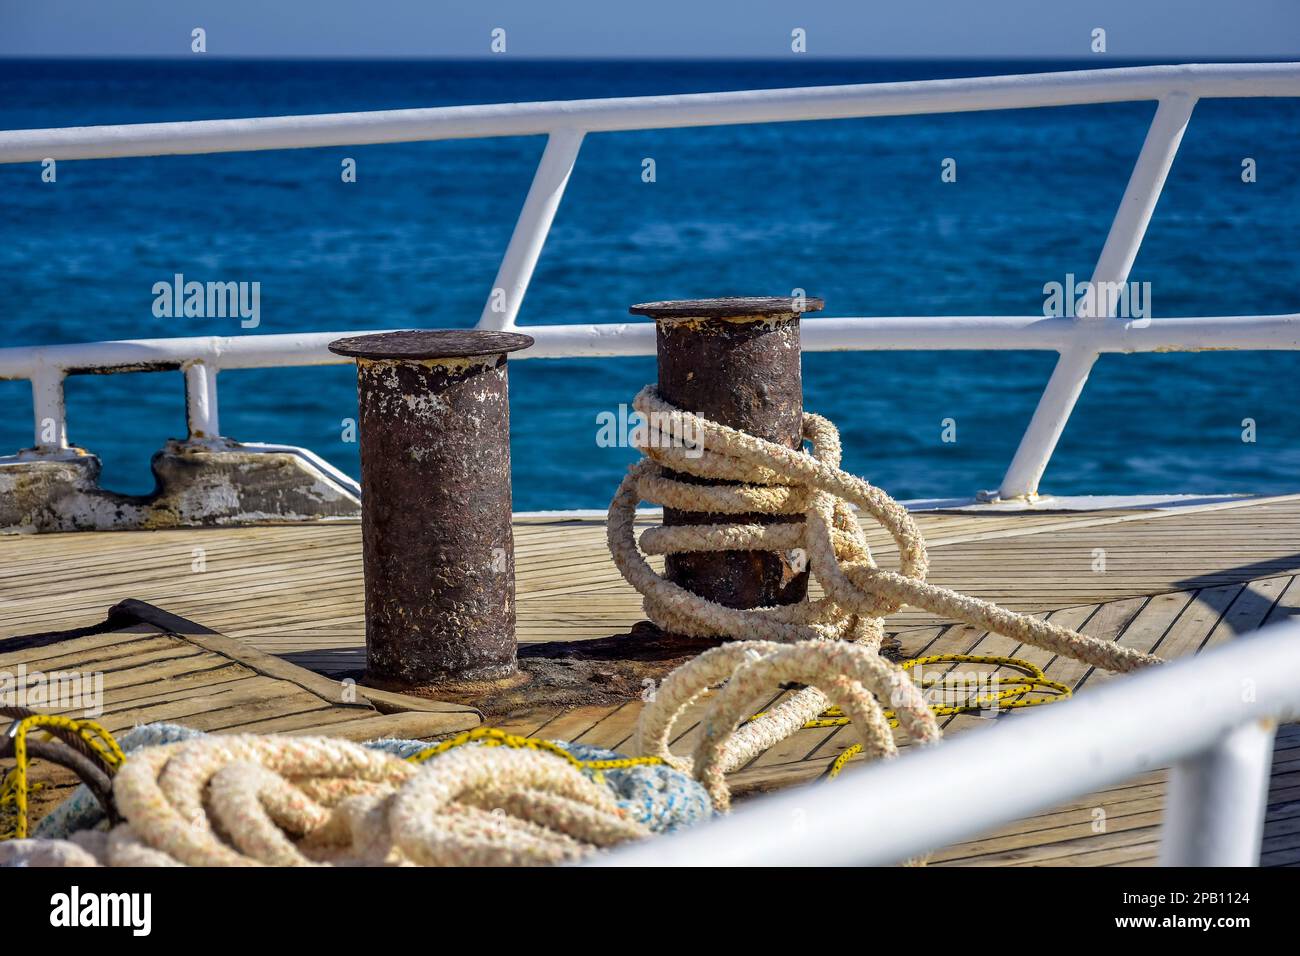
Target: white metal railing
1079, 341
1212, 717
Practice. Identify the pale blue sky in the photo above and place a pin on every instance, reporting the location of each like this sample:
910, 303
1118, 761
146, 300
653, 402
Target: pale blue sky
1154, 29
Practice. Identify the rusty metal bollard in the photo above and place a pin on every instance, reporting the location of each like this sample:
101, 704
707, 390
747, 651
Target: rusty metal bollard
737, 362
435, 507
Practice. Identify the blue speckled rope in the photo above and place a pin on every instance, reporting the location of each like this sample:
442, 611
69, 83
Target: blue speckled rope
82, 811
656, 795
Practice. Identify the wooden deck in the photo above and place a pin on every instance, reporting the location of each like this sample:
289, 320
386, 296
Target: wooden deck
158, 667
1173, 582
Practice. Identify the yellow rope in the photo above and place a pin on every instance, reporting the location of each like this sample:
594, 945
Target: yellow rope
1031, 679
16, 787
1012, 697
492, 737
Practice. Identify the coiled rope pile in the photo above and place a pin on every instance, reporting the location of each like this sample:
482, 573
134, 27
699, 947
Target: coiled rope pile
831, 643
484, 797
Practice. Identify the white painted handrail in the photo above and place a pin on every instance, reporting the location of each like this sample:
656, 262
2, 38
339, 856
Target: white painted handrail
1078, 340
1212, 718
653, 112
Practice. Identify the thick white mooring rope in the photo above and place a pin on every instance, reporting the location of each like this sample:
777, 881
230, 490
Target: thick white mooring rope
834, 641
299, 801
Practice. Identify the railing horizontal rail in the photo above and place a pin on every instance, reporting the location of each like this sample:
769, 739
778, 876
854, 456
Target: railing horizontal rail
652, 112
911, 333
1176, 714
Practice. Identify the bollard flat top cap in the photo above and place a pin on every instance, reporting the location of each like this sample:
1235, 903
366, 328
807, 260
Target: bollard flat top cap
430, 344
727, 308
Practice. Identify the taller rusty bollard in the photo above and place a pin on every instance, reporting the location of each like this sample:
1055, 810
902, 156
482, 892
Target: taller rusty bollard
735, 361
435, 506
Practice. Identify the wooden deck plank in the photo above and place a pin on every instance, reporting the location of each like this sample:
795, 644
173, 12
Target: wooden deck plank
1146, 629
147, 666
613, 728
1249, 611
1197, 621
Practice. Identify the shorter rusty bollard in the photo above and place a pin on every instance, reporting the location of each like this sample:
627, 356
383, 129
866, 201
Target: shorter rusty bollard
435, 506
737, 362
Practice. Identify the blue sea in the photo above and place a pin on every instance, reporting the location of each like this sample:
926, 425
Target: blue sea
851, 210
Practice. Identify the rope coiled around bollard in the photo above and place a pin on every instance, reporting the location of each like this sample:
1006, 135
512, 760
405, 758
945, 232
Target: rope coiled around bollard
830, 643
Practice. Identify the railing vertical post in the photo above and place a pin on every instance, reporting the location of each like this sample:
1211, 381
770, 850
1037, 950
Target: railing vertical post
531, 230
1054, 407
201, 413
1214, 810
1143, 191
49, 412
1117, 255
